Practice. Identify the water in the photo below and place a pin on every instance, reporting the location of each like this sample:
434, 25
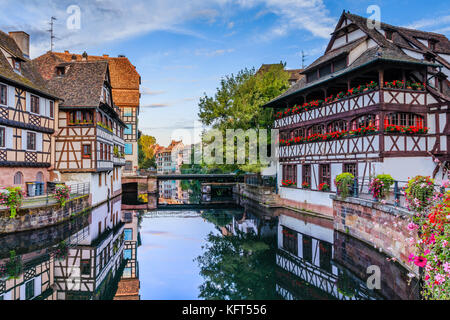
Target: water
228, 253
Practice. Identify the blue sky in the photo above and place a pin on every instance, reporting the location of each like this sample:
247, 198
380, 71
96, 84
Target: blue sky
183, 48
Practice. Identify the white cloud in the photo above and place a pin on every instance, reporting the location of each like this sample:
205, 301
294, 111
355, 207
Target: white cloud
110, 20
212, 53
437, 24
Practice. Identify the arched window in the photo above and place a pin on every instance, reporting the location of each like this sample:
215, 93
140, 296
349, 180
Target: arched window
403, 119
18, 178
300, 132
366, 121
339, 125
40, 177
316, 129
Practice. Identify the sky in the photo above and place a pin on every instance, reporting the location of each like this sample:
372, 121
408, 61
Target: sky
182, 48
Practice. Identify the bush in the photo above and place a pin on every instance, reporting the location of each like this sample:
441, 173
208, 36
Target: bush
12, 197
343, 183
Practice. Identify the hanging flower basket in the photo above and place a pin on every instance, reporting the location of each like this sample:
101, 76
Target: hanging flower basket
12, 269
61, 251
419, 193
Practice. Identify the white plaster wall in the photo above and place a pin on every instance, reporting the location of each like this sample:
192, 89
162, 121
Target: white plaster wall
306, 196
310, 229
403, 168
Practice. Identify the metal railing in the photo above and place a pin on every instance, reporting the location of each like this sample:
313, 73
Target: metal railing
47, 196
258, 180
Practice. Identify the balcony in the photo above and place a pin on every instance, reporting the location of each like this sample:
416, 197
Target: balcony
118, 161
364, 100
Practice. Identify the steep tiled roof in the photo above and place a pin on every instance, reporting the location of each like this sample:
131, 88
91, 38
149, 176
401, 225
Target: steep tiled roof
82, 83
384, 51
28, 77
125, 80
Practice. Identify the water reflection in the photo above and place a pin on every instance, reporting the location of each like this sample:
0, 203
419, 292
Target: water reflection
228, 253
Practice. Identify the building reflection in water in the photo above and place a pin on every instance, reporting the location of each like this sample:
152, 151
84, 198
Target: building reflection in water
83, 258
129, 285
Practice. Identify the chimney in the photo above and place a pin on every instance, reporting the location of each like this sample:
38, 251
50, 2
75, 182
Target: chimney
22, 40
106, 56
74, 58
84, 56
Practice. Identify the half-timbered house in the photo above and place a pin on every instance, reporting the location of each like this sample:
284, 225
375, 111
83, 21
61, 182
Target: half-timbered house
97, 259
27, 115
125, 84
89, 142
376, 102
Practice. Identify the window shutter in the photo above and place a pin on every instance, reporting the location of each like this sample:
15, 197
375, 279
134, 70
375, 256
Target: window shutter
28, 102
9, 138
11, 97
39, 141
24, 139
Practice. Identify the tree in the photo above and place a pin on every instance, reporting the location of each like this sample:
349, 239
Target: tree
146, 152
237, 104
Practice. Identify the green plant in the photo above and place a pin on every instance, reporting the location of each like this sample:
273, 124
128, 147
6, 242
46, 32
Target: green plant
13, 267
62, 194
419, 193
12, 197
343, 183
324, 187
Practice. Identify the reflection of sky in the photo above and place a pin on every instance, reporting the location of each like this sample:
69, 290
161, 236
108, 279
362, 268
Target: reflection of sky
166, 267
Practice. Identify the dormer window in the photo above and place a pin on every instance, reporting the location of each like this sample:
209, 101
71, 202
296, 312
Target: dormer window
60, 71
389, 34
16, 64
432, 44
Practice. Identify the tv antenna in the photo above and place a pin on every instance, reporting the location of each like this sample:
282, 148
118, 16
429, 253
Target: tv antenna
303, 59
52, 35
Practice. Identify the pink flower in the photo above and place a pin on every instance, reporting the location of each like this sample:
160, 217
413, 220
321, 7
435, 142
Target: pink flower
446, 267
411, 257
412, 226
439, 279
420, 261
444, 243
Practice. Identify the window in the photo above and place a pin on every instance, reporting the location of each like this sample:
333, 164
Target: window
60, 71
325, 255
403, 119
31, 141
388, 34
2, 137
351, 168
128, 129
52, 109
316, 129
365, 121
87, 151
127, 254
311, 76
18, 178
325, 70
128, 233
29, 290
40, 177
85, 266
128, 148
34, 104
128, 112
340, 64
307, 248
290, 172
339, 125
306, 174
324, 174
290, 240
101, 152
3, 94
16, 65
128, 165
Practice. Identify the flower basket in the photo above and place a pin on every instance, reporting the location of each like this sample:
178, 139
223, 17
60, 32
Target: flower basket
61, 251
419, 193
12, 197
288, 183
324, 187
380, 185
344, 183
62, 194
306, 185
13, 268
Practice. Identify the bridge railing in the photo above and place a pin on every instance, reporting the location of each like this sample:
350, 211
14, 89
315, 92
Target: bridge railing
257, 180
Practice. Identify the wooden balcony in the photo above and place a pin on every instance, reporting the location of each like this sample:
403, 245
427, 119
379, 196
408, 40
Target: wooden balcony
361, 147
364, 100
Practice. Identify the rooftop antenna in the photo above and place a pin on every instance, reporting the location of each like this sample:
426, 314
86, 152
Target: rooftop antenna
52, 36
303, 59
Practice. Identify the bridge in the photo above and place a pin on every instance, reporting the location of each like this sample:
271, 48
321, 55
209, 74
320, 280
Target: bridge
202, 177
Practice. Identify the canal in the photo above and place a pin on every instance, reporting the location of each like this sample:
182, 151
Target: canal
233, 252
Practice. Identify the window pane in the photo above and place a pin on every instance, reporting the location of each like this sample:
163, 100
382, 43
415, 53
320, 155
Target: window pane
128, 148
128, 129
128, 234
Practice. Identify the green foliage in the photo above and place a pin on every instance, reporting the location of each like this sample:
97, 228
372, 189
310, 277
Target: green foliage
237, 267
343, 182
146, 152
238, 101
419, 193
388, 182
13, 267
